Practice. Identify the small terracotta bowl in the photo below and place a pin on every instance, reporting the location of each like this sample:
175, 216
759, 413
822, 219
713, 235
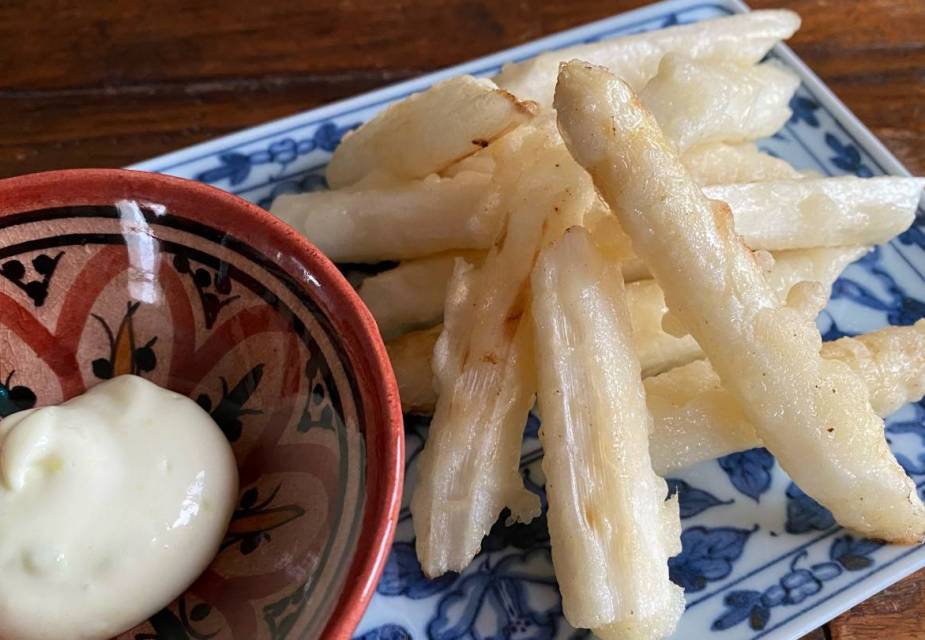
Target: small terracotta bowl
106, 272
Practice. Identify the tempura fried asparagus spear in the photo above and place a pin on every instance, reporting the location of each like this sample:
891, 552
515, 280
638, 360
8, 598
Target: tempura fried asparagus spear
721, 163
820, 212
611, 529
659, 350
411, 296
707, 102
743, 39
411, 356
396, 221
814, 414
696, 419
422, 217
428, 131
483, 365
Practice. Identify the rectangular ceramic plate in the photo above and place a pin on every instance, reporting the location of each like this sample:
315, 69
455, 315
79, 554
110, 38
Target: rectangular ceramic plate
760, 559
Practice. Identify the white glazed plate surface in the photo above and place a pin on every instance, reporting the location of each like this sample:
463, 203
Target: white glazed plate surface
760, 559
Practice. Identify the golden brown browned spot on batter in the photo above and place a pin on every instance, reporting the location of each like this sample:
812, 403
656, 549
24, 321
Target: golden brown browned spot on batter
528, 107
589, 515
514, 314
499, 243
637, 103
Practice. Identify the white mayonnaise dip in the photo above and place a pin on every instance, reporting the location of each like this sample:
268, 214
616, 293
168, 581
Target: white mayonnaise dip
111, 505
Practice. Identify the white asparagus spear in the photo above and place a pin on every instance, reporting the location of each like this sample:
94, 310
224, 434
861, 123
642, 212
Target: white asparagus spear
468, 470
814, 414
411, 356
428, 131
423, 217
408, 220
483, 364
891, 361
696, 419
705, 102
659, 350
721, 163
610, 527
411, 295
789, 214
743, 39
822, 264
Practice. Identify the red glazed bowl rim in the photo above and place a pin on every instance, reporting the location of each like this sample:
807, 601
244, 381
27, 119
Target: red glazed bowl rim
384, 434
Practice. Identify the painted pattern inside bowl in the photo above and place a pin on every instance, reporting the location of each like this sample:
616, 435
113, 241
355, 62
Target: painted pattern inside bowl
91, 292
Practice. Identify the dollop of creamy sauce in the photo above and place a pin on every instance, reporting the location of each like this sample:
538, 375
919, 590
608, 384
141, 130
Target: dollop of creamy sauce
111, 505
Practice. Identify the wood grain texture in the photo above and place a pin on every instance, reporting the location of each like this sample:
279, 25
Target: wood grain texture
898, 612
111, 83
97, 83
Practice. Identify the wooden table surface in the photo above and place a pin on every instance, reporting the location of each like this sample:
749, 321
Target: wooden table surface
97, 83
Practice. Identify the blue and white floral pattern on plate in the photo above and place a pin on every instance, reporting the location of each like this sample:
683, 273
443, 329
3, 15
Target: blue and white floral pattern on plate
760, 558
